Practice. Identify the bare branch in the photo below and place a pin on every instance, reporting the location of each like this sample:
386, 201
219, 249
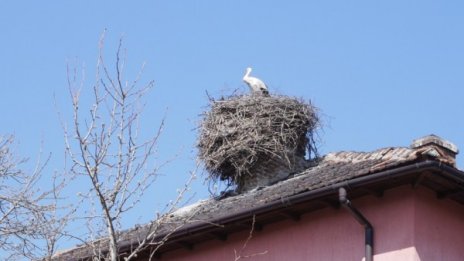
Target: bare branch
104, 147
239, 255
28, 224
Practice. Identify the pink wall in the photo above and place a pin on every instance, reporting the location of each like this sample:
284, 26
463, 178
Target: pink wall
408, 224
439, 228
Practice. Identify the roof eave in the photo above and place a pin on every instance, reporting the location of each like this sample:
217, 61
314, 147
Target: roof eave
329, 191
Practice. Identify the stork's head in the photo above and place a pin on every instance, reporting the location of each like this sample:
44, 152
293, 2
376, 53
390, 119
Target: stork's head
247, 73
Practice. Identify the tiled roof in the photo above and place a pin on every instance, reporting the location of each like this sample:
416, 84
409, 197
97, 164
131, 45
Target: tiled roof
332, 168
329, 170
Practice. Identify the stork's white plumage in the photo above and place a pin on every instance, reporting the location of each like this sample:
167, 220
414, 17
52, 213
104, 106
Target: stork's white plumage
256, 85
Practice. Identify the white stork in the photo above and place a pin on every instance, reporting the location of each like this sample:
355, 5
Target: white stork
256, 85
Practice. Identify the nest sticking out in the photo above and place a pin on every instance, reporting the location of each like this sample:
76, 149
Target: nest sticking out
242, 134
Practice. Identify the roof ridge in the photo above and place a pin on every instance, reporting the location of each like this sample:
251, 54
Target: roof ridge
357, 156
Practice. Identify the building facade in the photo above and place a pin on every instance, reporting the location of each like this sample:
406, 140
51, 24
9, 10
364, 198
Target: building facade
400, 204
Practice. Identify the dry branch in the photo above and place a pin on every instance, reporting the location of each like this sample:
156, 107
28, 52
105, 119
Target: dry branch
105, 148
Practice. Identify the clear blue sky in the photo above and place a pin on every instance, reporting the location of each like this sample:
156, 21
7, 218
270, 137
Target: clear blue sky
382, 72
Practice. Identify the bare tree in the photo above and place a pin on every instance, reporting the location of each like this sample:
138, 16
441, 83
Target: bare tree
104, 147
28, 224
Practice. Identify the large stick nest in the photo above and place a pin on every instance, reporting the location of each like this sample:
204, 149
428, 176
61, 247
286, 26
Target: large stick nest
240, 133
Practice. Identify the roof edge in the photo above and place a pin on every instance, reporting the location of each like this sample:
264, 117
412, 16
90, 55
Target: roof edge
427, 165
